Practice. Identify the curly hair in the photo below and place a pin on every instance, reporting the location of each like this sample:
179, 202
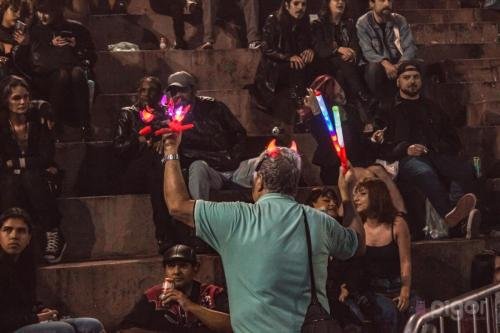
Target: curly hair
380, 203
281, 171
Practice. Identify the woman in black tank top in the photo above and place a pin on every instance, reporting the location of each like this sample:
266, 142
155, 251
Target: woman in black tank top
388, 253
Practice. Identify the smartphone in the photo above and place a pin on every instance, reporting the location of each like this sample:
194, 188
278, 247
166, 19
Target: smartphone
20, 26
66, 34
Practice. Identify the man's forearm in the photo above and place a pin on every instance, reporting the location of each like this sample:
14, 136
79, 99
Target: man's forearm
214, 320
176, 195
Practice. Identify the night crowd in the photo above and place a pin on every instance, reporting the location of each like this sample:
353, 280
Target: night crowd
403, 154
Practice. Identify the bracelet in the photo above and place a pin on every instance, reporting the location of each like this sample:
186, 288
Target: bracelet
170, 157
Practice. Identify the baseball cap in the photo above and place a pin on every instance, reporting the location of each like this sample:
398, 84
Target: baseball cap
407, 66
179, 252
180, 79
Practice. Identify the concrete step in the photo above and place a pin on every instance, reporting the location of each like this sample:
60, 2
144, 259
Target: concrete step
471, 70
92, 169
107, 227
483, 113
237, 68
121, 226
439, 52
455, 33
142, 6
145, 30
218, 69
483, 142
112, 287
462, 15
256, 122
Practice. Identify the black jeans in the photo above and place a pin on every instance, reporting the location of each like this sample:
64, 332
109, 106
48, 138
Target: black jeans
432, 176
30, 190
67, 91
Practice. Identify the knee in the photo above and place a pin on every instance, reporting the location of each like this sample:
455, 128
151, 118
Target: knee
417, 168
88, 325
374, 68
63, 75
198, 169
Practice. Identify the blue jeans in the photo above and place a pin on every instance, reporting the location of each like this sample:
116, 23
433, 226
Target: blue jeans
427, 173
72, 325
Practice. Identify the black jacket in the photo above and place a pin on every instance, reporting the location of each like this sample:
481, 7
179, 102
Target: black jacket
17, 289
281, 40
44, 57
217, 138
147, 314
422, 121
126, 142
40, 151
327, 38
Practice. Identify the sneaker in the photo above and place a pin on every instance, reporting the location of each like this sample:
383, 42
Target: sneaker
473, 223
255, 45
54, 247
461, 211
206, 46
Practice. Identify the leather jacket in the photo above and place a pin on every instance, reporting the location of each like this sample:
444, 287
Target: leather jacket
217, 138
126, 143
281, 40
325, 41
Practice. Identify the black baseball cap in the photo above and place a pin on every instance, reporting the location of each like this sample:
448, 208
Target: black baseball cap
181, 79
179, 252
409, 65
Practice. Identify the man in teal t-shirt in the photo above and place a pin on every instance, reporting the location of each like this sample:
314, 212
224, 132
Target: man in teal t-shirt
263, 245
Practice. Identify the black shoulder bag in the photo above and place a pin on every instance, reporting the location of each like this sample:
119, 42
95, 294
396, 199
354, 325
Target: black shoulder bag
317, 319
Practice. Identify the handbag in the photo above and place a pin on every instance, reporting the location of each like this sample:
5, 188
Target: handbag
317, 319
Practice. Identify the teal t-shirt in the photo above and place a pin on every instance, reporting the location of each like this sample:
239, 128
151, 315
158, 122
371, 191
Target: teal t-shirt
264, 252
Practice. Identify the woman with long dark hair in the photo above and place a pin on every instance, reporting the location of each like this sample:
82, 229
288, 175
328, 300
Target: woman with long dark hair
388, 254
15, 15
336, 47
27, 154
287, 54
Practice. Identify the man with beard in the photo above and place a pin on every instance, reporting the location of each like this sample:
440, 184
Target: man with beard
385, 40
427, 147
213, 149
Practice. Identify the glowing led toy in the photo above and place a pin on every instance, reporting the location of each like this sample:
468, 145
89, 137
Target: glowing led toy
335, 131
174, 112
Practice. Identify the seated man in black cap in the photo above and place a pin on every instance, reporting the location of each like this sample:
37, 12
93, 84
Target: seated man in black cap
214, 148
427, 147
187, 307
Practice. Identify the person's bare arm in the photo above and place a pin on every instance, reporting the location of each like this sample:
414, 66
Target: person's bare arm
351, 219
177, 198
404, 244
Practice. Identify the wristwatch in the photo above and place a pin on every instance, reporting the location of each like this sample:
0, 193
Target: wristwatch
169, 157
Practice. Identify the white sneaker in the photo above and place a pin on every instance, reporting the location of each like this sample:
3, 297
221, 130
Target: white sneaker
461, 211
473, 224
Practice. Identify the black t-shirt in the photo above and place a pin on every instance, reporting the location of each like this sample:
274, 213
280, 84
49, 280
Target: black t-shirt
147, 314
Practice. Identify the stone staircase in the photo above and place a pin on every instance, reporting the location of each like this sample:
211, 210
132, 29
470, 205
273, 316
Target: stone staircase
111, 256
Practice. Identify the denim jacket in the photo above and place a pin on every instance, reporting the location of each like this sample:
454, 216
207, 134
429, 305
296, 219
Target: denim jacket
398, 44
